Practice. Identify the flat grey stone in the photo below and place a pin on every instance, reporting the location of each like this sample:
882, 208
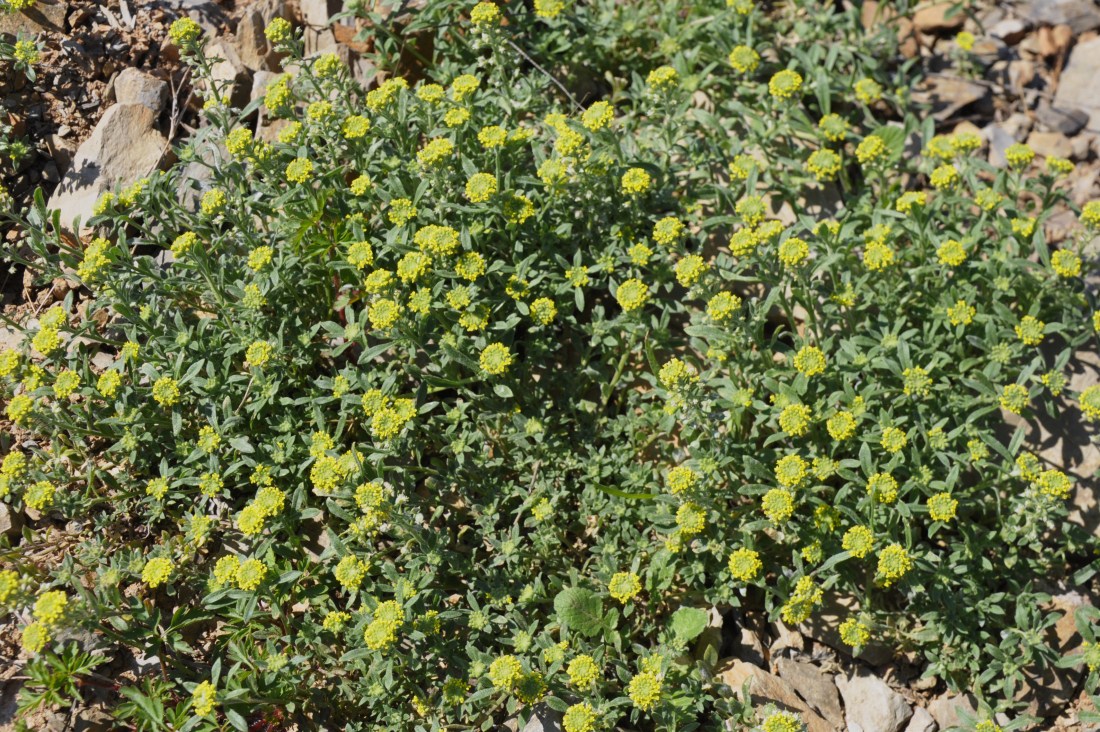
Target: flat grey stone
1079, 84
1079, 15
124, 147
1068, 121
46, 15
872, 706
543, 719
134, 86
921, 721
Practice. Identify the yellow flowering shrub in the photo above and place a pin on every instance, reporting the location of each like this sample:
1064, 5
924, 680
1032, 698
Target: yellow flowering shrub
459, 394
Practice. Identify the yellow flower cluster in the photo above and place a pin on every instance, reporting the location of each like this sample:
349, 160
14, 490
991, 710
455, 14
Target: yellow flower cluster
624, 586
157, 571
805, 596
745, 564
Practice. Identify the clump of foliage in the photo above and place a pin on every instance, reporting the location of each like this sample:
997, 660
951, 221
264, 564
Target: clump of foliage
442, 398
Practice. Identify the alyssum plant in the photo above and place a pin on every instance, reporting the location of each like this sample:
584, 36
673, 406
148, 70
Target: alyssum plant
446, 398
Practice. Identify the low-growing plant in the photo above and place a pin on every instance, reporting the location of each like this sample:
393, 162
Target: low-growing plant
20, 55
435, 400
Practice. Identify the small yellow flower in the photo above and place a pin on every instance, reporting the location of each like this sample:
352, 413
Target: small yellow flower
504, 671
785, 84
1019, 156
681, 479
778, 505
157, 571
1023, 226
1030, 330
1065, 263
871, 149
951, 252
463, 86
632, 294
35, 637
893, 563
40, 494
744, 59
624, 586
1015, 398
868, 91
205, 695
910, 200
1059, 166
942, 507
893, 440
805, 596
430, 93
745, 565
810, 361
690, 269
260, 257
961, 313
636, 181
833, 127
495, 359
299, 170
67, 382
841, 425
258, 353
662, 78
50, 607
795, 419
213, 202
1090, 214
350, 571
722, 306
790, 471
278, 31
877, 257
854, 633
184, 31
858, 541
549, 9
599, 116
1089, 402
916, 382
882, 487
944, 177
355, 127
250, 574
484, 14
1054, 483
644, 690
481, 187
824, 164
492, 137
401, 211
667, 230
456, 117
583, 672
166, 391
782, 721
435, 151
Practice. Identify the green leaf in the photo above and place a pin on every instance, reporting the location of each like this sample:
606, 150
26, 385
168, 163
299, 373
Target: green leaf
688, 622
580, 610
236, 720
241, 444
623, 494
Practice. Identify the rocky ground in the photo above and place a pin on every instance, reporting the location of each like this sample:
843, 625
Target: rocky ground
112, 99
